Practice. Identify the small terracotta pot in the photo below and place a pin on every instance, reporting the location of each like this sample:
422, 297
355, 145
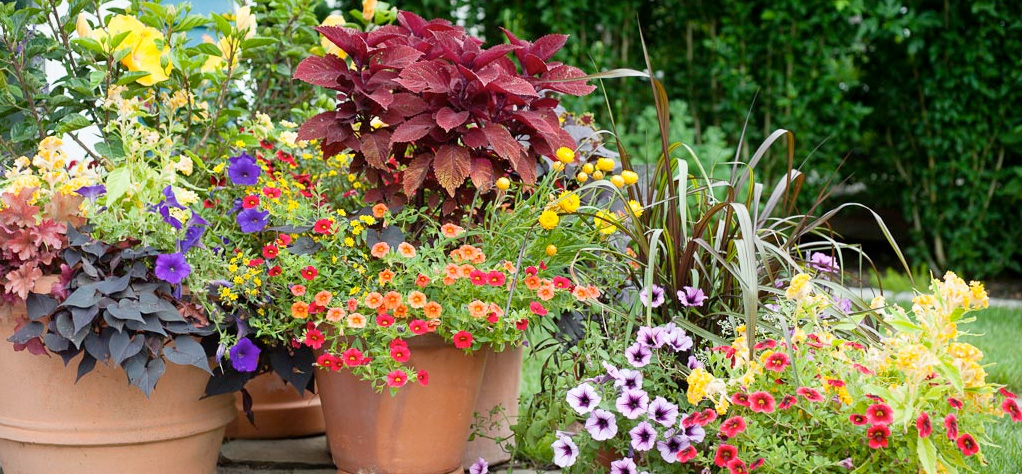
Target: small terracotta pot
497, 408
279, 411
421, 430
102, 424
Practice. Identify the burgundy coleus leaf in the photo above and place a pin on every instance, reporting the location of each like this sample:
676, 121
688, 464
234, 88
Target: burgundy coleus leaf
408, 104
545, 47
509, 84
511, 150
321, 71
319, 126
430, 76
375, 146
415, 23
475, 138
482, 174
383, 97
578, 88
386, 33
394, 57
413, 129
451, 166
490, 55
350, 40
416, 172
542, 121
448, 119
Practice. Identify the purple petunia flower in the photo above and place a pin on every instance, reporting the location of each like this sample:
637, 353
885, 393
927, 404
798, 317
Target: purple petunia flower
691, 297
676, 338
601, 425
91, 192
662, 411
847, 463
632, 403
823, 262
652, 296
611, 370
565, 452
638, 355
629, 379
252, 220
479, 467
844, 304
170, 199
583, 398
670, 446
693, 363
245, 356
243, 170
694, 434
650, 337
773, 307
172, 268
623, 466
191, 238
643, 436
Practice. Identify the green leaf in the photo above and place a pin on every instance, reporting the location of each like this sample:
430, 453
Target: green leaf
927, 455
256, 42
131, 76
192, 21
210, 49
73, 122
117, 183
222, 25
89, 44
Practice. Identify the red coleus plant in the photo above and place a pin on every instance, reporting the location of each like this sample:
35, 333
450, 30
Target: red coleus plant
428, 113
31, 239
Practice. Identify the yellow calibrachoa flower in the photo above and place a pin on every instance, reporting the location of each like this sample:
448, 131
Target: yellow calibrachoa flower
141, 40
565, 154
328, 46
548, 219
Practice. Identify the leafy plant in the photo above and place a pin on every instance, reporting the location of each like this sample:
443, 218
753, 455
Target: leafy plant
453, 115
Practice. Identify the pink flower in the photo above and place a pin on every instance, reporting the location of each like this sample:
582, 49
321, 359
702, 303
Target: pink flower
496, 278
877, 436
397, 379
462, 340
537, 308
951, 424
955, 403
761, 402
314, 338
352, 357
967, 444
385, 320
880, 414
418, 327
810, 394
923, 425
731, 427
787, 402
858, 419
725, 453
740, 399
777, 362
1010, 406
423, 377
400, 353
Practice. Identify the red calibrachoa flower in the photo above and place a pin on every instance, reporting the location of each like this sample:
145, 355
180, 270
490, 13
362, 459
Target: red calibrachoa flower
810, 394
737, 466
274, 271
323, 226
687, 454
704, 417
352, 357
767, 344
329, 361
923, 425
955, 403
496, 278
462, 340
880, 414
397, 378
761, 402
731, 427
967, 444
309, 272
400, 353
1007, 393
250, 202
877, 436
725, 453
398, 342
384, 320
314, 338
1010, 406
561, 283
283, 240
756, 464
522, 324
740, 399
423, 377
537, 308
875, 398
777, 362
255, 262
858, 419
271, 193
270, 251
787, 402
835, 383
418, 327
478, 277
951, 425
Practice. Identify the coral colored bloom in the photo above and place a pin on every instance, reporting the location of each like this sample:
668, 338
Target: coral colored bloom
967, 444
810, 394
356, 321
462, 340
951, 425
731, 427
422, 281
352, 304
299, 310
406, 250
392, 300
777, 362
323, 298
314, 338
380, 249
423, 377
309, 273
478, 309
335, 314
880, 414
451, 231
323, 226
298, 290
270, 251
432, 310
546, 292
417, 299
1010, 406
397, 379
537, 308
374, 300
761, 402
877, 436
687, 454
858, 419
384, 320
725, 453
923, 425
352, 357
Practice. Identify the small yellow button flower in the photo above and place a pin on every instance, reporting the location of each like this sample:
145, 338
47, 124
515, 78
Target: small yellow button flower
548, 219
588, 168
582, 176
597, 174
551, 250
630, 177
565, 155
617, 181
503, 184
605, 164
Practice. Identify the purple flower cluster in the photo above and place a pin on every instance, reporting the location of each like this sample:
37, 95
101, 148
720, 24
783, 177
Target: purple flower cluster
172, 268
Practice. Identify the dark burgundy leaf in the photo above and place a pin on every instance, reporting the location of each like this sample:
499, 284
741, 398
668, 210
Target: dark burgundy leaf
578, 88
413, 129
321, 71
482, 174
375, 147
318, 126
448, 119
502, 142
415, 174
394, 57
428, 76
350, 40
475, 138
408, 104
383, 97
546, 46
451, 166
489, 55
533, 65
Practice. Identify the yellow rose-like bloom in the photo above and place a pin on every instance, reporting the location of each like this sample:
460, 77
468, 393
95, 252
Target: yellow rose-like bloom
565, 154
582, 177
503, 184
548, 219
551, 250
597, 174
630, 177
799, 288
635, 207
328, 46
605, 164
617, 181
141, 40
588, 168
569, 202
965, 351
605, 222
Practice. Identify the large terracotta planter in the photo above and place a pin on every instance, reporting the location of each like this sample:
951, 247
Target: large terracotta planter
279, 411
102, 424
421, 430
496, 408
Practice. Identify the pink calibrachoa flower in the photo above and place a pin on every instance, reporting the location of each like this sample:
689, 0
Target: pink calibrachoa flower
314, 338
761, 402
737, 466
274, 271
352, 357
810, 394
423, 377
725, 453
562, 283
787, 402
478, 277
1007, 393
1010, 406
400, 354
537, 308
329, 361
740, 399
955, 403
923, 425
687, 454
858, 419
731, 427
397, 379
951, 425
250, 202
862, 369
880, 414
462, 340
418, 327
496, 278
777, 362
705, 417
877, 436
756, 464
967, 444
298, 290
384, 320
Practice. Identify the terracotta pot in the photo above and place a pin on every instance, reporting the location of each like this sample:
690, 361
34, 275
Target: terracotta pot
421, 430
497, 408
279, 411
102, 424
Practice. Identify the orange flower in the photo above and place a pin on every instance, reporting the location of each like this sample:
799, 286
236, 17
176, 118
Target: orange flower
300, 310
451, 231
532, 282
379, 210
456, 256
374, 300
406, 250
581, 293
334, 314
356, 320
509, 267
594, 292
468, 252
432, 310
449, 281
298, 290
496, 309
417, 299
386, 276
391, 300
401, 311
479, 258
478, 309
380, 249
546, 292
323, 298
465, 271
452, 271
421, 281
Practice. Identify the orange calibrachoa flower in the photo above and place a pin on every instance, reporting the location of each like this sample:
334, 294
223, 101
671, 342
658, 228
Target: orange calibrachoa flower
298, 290
451, 231
335, 314
406, 250
380, 249
417, 299
386, 276
401, 311
374, 300
432, 310
546, 292
356, 320
379, 210
452, 271
422, 281
323, 298
465, 271
449, 281
509, 267
391, 300
300, 310
478, 309
532, 282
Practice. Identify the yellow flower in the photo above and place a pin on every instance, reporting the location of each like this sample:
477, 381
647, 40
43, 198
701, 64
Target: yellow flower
503, 183
569, 202
229, 48
582, 176
588, 168
630, 177
635, 207
800, 287
878, 302
617, 181
964, 350
246, 22
565, 155
597, 174
698, 382
548, 219
82, 27
368, 9
328, 46
605, 164
605, 222
551, 250
145, 56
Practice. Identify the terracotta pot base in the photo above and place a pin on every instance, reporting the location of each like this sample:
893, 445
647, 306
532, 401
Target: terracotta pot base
502, 383
456, 471
279, 412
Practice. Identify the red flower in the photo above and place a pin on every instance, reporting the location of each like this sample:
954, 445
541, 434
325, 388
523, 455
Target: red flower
271, 192
810, 394
283, 240
874, 398
322, 226
384, 320
923, 425
767, 344
1007, 393
761, 402
329, 361
530, 270
835, 383
705, 417
777, 362
208, 204
732, 426
725, 453
423, 377
522, 324
255, 262
862, 369
492, 318
877, 436
274, 271
756, 464
352, 357
314, 338
967, 444
397, 378
463, 340
954, 402
858, 419
400, 353
951, 425
250, 202
270, 251
880, 414
737, 466
418, 327
787, 402
537, 308
561, 283
398, 342
1010, 406
309, 272
496, 278
687, 454
421, 281
740, 398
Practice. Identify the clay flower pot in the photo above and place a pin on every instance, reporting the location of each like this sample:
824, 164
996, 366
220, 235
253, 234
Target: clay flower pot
279, 411
421, 430
102, 424
498, 395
